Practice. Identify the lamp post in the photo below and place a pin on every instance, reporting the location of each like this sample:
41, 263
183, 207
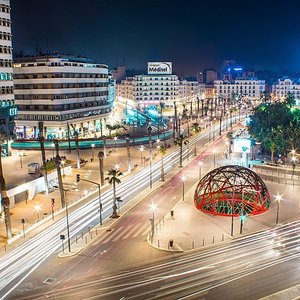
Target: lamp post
214, 152
200, 164
115, 139
53, 147
183, 178
37, 207
101, 158
142, 148
150, 152
21, 154
278, 198
93, 146
153, 208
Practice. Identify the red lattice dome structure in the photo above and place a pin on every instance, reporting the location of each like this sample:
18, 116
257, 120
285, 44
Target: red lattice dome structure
232, 190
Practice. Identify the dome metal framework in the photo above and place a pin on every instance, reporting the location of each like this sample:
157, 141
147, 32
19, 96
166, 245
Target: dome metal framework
232, 190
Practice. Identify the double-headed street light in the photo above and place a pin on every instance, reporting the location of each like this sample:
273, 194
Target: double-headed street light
278, 198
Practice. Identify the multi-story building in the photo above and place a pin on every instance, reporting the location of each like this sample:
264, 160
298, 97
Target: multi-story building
7, 107
57, 92
250, 88
285, 85
155, 89
124, 89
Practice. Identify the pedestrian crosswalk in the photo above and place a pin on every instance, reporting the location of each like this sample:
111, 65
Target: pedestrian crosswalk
125, 232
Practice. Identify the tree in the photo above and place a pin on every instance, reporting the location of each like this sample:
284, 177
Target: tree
162, 151
290, 100
180, 141
5, 202
113, 178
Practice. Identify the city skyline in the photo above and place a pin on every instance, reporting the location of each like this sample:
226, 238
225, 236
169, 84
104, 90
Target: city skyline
194, 35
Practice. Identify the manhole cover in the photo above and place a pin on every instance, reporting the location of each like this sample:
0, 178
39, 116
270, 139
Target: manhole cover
49, 280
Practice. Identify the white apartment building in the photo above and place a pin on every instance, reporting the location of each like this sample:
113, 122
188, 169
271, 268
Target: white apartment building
54, 91
250, 88
7, 108
284, 86
154, 89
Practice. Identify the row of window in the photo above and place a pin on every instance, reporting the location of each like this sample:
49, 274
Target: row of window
65, 117
60, 64
154, 98
60, 86
5, 90
156, 78
156, 83
6, 63
5, 49
62, 107
239, 83
61, 96
59, 75
5, 22
6, 76
162, 93
5, 8
155, 89
5, 36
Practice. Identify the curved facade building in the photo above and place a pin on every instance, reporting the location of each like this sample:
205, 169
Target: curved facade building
57, 92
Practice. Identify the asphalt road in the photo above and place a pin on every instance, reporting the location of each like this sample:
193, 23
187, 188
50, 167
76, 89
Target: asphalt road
26, 260
246, 268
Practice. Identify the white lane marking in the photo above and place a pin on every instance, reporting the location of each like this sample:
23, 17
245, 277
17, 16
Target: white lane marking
113, 234
131, 231
122, 233
141, 230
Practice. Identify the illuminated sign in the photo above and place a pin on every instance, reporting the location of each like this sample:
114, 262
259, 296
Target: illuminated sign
13, 111
238, 69
241, 145
159, 68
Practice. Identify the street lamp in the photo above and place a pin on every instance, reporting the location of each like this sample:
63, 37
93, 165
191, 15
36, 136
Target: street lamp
93, 146
153, 208
278, 198
183, 178
142, 148
214, 152
37, 207
115, 139
21, 154
200, 164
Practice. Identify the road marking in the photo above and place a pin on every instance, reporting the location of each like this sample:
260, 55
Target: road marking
141, 230
122, 233
131, 231
112, 235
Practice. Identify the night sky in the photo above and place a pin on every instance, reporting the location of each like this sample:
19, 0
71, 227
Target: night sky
193, 34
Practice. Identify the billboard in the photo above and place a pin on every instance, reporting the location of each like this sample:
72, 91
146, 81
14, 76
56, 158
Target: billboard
159, 68
242, 145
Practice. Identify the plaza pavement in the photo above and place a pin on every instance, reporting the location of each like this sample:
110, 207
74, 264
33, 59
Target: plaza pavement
190, 228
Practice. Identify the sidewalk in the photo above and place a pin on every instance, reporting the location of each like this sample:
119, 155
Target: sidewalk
190, 228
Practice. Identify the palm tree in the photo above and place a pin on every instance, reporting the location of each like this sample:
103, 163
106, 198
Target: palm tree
180, 141
162, 151
113, 179
4, 199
